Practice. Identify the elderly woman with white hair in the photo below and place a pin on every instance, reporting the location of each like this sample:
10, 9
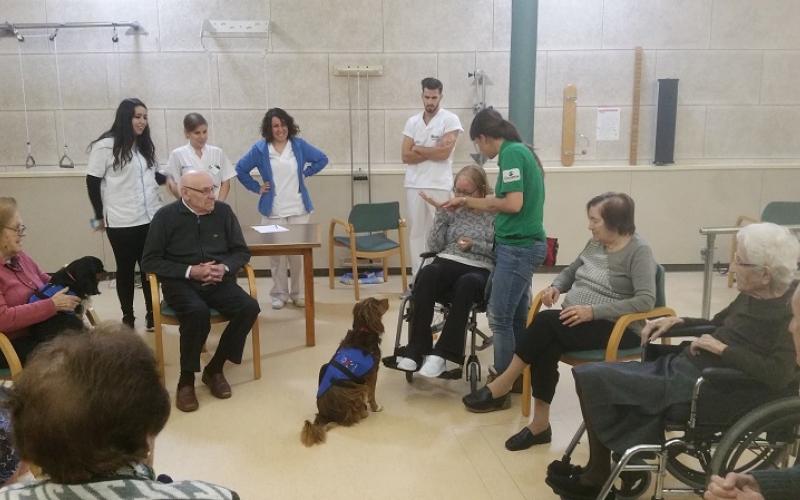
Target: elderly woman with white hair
624, 404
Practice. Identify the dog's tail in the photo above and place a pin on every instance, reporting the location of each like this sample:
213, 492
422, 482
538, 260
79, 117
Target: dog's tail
314, 433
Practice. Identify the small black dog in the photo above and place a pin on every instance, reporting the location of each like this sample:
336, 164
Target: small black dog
81, 276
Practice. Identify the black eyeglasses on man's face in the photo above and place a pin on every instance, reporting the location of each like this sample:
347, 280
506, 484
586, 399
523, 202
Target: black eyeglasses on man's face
205, 191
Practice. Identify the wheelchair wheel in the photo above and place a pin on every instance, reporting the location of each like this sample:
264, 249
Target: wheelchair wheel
690, 467
633, 484
474, 375
765, 438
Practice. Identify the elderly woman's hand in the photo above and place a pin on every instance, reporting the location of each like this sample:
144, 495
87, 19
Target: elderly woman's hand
655, 328
575, 315
707, 343
64, 302
429, 200
734, 485
550, 296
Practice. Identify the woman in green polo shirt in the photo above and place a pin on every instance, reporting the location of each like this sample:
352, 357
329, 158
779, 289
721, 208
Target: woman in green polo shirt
519, 233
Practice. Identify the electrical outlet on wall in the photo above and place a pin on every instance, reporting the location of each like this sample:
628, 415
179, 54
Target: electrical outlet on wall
234, 28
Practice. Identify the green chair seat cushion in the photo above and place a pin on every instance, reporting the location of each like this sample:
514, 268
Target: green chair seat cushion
600, 354
368, 243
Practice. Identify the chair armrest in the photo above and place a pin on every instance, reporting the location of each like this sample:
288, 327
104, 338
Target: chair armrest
401, 223
624, 321
251, 280
155, 294
12, 359
428, 255
348, 228
689, 331
92, 316
726, 375
536, 305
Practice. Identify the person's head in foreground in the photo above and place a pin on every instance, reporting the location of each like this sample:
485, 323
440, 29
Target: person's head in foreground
87, 405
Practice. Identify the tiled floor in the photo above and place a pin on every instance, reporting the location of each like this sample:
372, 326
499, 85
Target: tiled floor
423, 445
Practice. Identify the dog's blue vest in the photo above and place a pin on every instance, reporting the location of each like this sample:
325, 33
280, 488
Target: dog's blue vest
348, 364
47, 292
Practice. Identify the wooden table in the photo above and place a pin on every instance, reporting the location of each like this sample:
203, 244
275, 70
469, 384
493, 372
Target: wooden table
300, 239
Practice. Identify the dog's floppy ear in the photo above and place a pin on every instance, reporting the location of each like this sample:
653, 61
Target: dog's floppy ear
83, 270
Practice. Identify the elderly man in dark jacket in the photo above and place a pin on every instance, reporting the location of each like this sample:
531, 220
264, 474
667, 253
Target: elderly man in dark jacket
196, 247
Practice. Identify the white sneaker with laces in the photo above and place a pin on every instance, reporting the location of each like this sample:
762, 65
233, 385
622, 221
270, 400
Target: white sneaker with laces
407, 364
433, 366
277, 303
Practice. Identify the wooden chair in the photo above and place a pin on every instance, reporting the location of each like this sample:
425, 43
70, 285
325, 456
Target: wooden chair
366, 229
777, 212
612, 352
163, 314
10, 354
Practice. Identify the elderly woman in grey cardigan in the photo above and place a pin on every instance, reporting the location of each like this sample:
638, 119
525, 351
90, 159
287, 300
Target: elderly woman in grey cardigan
624, 404
615, 274
463, 240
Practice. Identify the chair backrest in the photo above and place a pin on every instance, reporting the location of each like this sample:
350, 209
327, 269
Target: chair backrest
661, 296
369, 217
782, 212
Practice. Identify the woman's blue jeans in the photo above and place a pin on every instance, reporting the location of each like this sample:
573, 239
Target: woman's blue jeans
510, 296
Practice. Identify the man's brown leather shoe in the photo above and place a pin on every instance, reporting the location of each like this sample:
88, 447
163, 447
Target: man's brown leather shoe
186, 399
217, 383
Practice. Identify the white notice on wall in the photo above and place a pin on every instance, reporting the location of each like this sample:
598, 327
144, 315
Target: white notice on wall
272, 228
608, 124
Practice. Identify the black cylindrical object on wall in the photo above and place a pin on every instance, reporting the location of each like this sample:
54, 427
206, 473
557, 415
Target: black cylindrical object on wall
665, 121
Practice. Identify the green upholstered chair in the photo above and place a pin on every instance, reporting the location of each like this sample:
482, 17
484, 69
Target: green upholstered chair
163, 314
366, 237
612, 352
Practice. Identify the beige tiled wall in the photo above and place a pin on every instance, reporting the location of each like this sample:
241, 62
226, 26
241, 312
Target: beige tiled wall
738, 62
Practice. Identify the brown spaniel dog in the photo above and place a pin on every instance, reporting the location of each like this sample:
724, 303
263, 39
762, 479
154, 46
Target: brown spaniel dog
347, 381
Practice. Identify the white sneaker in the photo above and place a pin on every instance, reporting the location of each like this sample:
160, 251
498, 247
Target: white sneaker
277, 303
299, 302
433, 366
407, 364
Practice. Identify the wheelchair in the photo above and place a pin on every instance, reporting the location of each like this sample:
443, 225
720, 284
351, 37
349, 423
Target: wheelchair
734, 424
441, 311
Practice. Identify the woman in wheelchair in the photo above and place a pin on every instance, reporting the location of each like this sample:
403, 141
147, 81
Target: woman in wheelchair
614, 275
766, 484
463, 241
625, 404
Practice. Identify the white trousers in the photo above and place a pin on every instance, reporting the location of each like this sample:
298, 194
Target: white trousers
280, 281
419, 216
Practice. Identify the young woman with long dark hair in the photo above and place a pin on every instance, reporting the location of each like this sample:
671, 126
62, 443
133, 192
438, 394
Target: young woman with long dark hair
122, 181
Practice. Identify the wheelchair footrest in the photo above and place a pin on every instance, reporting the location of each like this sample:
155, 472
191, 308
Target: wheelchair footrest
391, 362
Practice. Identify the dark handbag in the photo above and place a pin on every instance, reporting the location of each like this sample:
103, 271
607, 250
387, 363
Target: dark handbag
552, 252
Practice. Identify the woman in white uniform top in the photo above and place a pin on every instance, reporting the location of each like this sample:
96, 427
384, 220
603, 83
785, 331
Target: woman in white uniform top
197, 155
283, 161
123, 188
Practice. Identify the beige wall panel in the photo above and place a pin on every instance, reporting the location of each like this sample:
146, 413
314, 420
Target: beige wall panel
445, 25
603, 78
570, 24
761, 132
713, 77
298, 81
780, 76
326, 25
755, 24
671, 207
657, 23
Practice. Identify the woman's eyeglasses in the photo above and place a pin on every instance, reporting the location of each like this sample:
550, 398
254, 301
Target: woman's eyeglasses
19, 229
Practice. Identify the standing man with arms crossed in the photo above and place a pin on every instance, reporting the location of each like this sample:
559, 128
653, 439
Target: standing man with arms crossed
429, 138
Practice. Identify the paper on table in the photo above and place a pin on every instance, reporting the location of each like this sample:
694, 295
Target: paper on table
272, 228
